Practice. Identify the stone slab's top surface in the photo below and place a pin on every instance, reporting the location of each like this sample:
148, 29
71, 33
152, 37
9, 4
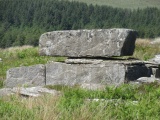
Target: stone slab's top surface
88, 43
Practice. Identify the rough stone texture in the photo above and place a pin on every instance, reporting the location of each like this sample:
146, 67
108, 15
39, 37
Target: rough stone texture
88, 43
28, 76
89, 73
104, 72
72, 74
34, 91
28, 92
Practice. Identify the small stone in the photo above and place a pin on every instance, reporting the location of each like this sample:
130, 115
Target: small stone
146, 79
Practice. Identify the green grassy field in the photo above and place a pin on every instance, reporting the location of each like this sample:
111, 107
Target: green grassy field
131, 4
126, 102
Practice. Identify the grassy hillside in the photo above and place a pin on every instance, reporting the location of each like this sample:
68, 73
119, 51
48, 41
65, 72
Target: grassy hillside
133, 4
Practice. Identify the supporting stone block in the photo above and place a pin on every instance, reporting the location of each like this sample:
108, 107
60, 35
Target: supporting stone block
26, 76
72, 74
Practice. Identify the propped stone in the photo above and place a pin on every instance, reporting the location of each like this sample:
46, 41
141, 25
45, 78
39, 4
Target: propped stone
88, 43
26, 76
28, 92
105, 73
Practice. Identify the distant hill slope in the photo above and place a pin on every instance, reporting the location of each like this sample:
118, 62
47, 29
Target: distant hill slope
132, 4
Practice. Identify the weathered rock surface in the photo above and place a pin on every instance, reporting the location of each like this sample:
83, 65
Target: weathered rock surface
28, 92
26, 76
71, 74
88, 73
88, 43
34, 91
81, 71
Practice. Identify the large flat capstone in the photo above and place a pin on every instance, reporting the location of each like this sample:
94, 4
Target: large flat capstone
88, 43
26, 76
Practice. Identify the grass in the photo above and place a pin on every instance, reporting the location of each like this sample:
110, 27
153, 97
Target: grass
130, 4
124, 102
